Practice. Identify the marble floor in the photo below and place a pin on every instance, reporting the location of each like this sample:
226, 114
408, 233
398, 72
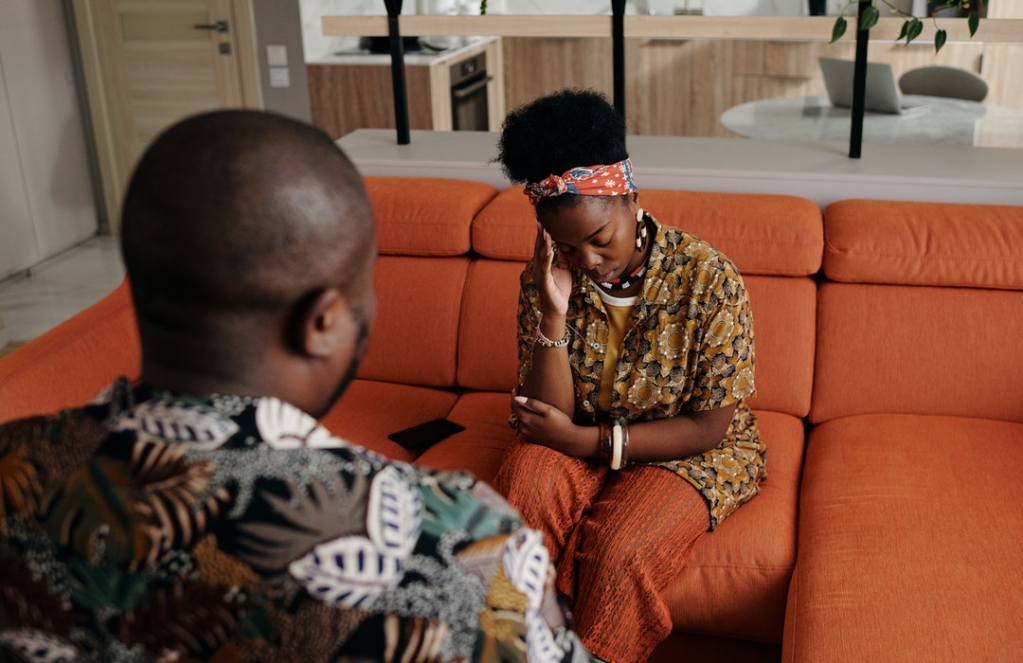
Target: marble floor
34, 301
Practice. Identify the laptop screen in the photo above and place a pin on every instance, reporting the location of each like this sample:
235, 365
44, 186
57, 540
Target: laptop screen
881, 96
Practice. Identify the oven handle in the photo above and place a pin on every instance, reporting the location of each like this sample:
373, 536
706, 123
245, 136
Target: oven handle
462, 93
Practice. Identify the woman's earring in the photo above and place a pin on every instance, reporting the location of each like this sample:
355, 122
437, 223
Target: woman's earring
640, 230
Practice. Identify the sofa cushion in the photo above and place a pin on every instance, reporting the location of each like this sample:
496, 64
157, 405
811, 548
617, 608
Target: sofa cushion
369, 411
762, 234
908, 548
482, 446
918, 350
416, 331
487, 340
70, 364
425, 216
784, 326
784, 311
736, 581
882, 241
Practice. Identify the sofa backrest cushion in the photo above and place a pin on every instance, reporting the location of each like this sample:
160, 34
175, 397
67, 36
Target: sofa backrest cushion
929, 312
780, 236
912, 243
918, 350
784, 326
70, 364
762, 234
425, 216
487, 343
416, 331
784, 313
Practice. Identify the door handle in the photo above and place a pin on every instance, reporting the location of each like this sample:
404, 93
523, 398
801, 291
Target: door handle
462, 93
219, 26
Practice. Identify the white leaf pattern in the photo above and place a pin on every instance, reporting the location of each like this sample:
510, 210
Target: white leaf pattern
284, 426
174, 421
395, 513
38, 646
543, 648
349, 571
525, 563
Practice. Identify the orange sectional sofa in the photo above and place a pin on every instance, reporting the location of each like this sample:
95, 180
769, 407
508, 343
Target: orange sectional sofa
889, 374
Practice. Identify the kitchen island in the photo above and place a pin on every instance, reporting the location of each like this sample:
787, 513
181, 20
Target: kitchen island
819, 171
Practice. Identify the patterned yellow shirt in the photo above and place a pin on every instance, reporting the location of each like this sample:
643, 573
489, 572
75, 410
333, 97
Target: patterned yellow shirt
688, 347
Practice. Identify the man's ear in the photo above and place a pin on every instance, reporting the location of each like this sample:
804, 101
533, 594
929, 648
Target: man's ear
320, 323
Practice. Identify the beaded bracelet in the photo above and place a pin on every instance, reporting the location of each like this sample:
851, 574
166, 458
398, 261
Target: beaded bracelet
545, 342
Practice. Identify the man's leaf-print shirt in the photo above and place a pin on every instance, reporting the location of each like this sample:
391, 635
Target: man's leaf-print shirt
688, 347
150, 526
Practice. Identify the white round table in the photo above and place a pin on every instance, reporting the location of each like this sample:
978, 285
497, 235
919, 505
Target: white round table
923, 119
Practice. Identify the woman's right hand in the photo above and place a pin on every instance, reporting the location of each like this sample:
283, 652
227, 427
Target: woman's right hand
551, 276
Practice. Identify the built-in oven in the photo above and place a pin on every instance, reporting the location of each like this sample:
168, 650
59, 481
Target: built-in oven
469, 94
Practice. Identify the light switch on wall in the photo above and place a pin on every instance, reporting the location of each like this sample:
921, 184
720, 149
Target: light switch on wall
279, 77
277, 55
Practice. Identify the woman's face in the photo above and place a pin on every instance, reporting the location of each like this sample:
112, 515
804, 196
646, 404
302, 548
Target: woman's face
597, 236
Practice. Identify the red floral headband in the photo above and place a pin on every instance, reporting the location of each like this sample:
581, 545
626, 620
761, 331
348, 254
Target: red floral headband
611, 180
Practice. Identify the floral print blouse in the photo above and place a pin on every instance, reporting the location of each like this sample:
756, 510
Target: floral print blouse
150, 526
689, 347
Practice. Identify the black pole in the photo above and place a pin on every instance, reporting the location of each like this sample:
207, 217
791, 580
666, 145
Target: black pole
618, 49
859, 83
398, 72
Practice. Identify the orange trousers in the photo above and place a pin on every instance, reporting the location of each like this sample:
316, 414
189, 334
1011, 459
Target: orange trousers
617, 539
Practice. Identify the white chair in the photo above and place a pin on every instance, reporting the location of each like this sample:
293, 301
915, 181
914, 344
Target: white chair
939, 81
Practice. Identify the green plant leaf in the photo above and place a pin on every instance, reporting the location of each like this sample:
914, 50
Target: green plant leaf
939, 40
904, 31
838, 30
914, 30
868, 18
974, 21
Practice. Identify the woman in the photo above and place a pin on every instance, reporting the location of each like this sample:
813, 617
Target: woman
635, 357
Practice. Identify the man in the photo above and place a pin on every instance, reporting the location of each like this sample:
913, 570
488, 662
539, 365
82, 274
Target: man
204, 514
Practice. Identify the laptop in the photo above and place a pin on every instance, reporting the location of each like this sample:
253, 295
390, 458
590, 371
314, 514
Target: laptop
881, 96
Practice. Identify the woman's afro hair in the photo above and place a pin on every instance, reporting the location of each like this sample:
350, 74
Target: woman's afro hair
560, 131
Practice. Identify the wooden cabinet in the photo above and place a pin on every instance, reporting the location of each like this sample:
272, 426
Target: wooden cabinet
677, 87
347, 95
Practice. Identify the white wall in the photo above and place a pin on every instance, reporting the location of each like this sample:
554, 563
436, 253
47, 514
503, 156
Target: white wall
46, 195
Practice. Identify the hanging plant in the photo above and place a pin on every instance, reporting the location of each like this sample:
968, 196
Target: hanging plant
911, 26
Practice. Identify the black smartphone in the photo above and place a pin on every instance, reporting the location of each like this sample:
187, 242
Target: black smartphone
421, 436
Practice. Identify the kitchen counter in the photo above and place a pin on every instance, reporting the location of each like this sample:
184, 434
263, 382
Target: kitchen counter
363, 80
424, 57
821, 171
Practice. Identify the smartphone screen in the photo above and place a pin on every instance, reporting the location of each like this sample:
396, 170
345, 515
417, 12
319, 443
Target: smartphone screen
423, 435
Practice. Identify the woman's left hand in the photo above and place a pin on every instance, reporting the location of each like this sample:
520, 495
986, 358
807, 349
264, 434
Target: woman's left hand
542, 423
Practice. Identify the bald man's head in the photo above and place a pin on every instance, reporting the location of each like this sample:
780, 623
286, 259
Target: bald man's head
248, 240
240, 213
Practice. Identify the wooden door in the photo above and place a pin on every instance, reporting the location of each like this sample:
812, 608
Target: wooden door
150, 63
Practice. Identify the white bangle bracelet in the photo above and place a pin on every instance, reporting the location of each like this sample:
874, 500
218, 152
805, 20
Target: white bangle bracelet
616, 447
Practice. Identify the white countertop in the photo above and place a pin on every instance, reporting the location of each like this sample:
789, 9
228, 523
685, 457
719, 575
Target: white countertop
412, 58
820, 171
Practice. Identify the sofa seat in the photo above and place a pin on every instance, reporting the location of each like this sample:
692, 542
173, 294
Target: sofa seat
736, 581
357, 416
481, 447
903, 521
